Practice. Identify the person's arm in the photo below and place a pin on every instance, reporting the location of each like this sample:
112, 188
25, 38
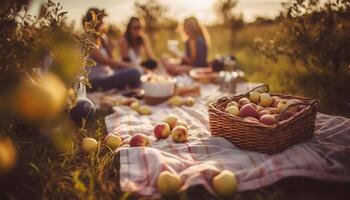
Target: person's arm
193, 52
99, 58
148, 48
123, 48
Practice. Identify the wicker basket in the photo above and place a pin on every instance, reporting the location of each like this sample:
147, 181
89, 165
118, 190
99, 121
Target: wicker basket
260, 137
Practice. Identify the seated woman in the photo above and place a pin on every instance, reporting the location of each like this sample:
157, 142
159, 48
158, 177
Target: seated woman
196, 48
134, 46
108, 73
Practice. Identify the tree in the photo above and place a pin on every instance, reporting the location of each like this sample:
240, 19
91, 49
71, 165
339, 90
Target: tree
317, 35
225, 10
152, 12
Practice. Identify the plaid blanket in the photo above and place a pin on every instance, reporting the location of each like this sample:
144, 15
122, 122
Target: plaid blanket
326, 156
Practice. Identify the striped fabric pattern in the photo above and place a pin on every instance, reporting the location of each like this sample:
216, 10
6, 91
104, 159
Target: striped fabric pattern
326, 156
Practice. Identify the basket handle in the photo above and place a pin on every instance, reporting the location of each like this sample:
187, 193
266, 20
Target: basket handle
312, 104
263, 86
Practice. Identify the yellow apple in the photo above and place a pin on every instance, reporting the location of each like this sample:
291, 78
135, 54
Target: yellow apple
179, 134
89, 145
171, 120
144, 110
225, 184
168, 183
189, 101
176, 101
135, 105
254, 97
113, 141
233, 110
265, 99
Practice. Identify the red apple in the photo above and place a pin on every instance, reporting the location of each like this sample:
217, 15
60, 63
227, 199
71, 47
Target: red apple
243, 101
274, 110
139, 140
264, 112
275, 100
267, 119
249, 110
251, 119
288, 115
162, 130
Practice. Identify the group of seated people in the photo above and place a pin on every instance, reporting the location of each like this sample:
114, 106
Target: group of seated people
112, 73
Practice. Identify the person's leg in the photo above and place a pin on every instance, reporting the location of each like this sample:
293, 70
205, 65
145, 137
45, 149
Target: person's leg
119, 80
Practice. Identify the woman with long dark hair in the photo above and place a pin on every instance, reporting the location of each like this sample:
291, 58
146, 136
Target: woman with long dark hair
134, 46
108, 73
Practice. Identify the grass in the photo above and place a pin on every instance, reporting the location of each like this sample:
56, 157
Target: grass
48, 168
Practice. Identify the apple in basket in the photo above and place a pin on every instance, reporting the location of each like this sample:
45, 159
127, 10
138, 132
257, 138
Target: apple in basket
139, 140
264, 112
89, 145
162, 130
254, 97
168, 183
282, 105
249, 110
265, 99
251, 120
233, 110
243, 101
232, 103
267, 119
225, 183
113, 141
171, 121
275, 101
179, 134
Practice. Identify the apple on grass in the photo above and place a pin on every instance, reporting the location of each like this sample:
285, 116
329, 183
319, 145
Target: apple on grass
113, 141
225, 183
162, 130
249, 110
89, 145
171, 121
139, 140
179, 134
168, 183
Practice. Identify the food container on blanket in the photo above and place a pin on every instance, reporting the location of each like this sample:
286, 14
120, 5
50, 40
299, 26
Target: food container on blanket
157, 88
256, 136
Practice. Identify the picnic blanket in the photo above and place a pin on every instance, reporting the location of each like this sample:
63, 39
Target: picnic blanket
326, 156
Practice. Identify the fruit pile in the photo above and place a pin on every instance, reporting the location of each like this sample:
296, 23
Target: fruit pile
263, 108
171, 126
179, 101
224, 183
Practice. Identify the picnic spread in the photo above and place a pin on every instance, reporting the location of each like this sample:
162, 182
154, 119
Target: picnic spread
205, 155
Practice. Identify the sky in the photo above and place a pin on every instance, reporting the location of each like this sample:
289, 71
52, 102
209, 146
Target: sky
120, 10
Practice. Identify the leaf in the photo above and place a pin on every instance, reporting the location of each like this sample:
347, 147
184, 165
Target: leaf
90, 63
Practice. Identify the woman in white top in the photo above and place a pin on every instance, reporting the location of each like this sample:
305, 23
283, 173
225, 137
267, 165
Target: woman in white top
133, 45
108, 73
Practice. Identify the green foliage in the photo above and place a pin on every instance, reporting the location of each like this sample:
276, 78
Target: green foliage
152, 12
317, 36
226, 14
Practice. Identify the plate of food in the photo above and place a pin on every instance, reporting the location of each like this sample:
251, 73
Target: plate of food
204, 75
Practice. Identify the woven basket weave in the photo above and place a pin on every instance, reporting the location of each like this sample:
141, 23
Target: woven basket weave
260, 137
